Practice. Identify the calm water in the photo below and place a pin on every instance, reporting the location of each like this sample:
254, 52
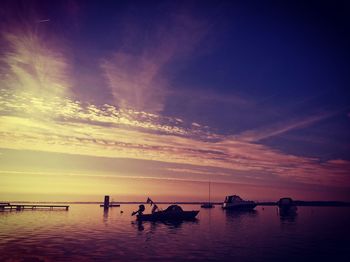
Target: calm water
87, 233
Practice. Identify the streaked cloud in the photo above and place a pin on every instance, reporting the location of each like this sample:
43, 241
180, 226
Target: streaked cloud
33, 65
282, 127
108, 132
137, 78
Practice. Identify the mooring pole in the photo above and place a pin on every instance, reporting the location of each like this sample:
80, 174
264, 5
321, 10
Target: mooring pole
106, 203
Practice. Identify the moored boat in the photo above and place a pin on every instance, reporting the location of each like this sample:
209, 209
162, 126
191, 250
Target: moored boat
286, 204
208, 204
234, 202
172, 213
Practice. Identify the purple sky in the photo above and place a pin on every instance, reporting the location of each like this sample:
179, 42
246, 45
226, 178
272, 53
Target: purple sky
245, 94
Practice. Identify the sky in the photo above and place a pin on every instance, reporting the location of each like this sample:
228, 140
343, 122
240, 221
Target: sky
157, 98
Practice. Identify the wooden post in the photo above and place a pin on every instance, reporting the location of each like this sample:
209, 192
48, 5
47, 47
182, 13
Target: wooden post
106, 203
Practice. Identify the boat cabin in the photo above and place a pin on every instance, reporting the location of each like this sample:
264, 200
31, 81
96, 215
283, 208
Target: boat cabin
285, 201
173, 208
231, 199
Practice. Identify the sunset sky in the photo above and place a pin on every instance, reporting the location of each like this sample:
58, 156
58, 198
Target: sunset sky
156, 98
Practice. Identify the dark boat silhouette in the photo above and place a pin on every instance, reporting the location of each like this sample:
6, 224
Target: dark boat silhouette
234, 202
287, 206
208, 204
172, 213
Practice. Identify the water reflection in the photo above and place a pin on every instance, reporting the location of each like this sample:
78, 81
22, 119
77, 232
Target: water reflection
105, 215
153, 225
87, 232
139, 225
239, 218
240, 213
287, 215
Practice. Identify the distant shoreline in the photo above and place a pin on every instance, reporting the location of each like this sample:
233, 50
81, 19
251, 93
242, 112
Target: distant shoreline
297, 202
311, 203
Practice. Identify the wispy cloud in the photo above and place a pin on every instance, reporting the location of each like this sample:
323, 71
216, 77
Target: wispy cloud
206, 96
107, 132
114, 176
33, 65
282, 127
135, 82
138, 78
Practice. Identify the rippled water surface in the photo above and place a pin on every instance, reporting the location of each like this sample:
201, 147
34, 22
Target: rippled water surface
87, 233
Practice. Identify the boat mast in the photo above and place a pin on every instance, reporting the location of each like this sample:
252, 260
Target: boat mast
209, 192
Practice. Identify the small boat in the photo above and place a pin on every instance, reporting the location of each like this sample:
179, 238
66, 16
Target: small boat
208, 204
234, 202
286, 205
172, 213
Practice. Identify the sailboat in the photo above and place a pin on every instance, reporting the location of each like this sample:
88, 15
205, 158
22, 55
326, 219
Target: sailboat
209, 204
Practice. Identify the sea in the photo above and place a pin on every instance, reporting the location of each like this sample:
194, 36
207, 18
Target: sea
87, 232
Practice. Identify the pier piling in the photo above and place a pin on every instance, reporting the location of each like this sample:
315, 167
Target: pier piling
106, 202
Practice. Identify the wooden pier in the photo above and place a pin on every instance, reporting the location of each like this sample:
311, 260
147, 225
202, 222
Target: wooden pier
20, 207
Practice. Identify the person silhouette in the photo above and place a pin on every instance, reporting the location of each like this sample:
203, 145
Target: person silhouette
140, 211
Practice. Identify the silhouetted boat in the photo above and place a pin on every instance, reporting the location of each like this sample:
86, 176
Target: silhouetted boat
172, 213
208, 205
236, 203
287, 205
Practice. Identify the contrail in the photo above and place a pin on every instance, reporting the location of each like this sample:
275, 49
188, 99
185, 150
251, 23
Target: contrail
43, 21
